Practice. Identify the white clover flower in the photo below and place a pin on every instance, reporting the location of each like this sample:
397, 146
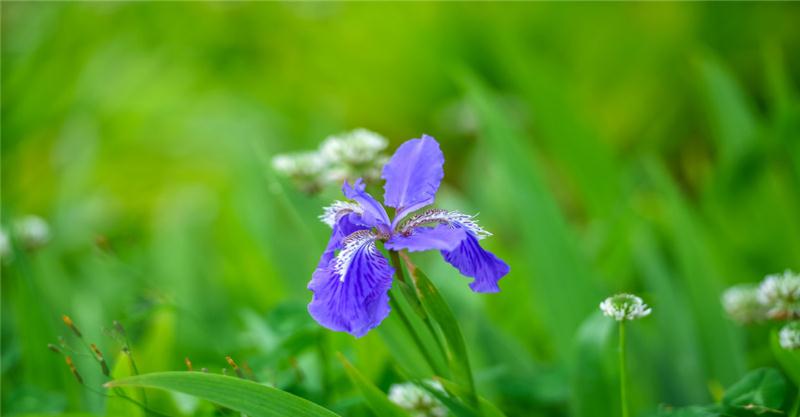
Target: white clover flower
357, 147
354, 154
5, 245
300, 164
306, 169
346, 156
789, 336
624, 307
32, 231
742, 305
780, 294
416, 400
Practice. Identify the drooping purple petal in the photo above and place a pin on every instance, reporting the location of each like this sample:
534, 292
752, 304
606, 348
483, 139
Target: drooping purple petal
473, 261
413, 175
441, 237
351, 292
374, 214
343, 227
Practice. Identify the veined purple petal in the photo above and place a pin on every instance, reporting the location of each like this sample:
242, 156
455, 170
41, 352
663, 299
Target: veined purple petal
473, 261
374, 214
441, 237
413, 175
345, 225
351, 292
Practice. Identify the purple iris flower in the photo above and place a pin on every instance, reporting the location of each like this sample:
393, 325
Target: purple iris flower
352, 280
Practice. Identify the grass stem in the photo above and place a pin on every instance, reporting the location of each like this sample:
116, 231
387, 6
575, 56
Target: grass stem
623, 377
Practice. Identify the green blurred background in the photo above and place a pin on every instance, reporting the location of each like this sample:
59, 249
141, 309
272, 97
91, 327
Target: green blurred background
649, 148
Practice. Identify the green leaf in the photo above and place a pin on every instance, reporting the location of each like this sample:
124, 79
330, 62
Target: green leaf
117, 405
251, 398
486, 408
556, 274
702, 277
58, 415
456, 350
595, 392
376, 399
788, 359
763, 388
693, 411
730, 114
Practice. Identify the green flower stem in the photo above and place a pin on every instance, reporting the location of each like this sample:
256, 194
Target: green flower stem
410, 329
623, 377
796, 405
398, 268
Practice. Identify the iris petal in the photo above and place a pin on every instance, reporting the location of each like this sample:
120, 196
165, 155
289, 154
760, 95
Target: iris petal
413, 175
374, 215
441, 237
351, 291
344, 226
473, 261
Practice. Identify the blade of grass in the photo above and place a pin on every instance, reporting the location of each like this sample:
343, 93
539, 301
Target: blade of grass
456, 350
560, 278
375, 398
251, 398
723, 350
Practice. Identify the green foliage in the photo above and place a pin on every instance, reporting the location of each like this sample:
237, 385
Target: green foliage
789, 360
646, 148
761, 392
253, 399
455, 349
375, 398
762, 389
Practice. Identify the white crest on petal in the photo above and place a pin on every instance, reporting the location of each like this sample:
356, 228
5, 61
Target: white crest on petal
453, 218
335, 211
351, 245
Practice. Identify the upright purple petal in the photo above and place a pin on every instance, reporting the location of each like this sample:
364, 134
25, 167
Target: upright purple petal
473, 261
374, 214
413, 175
441, 237
351, 292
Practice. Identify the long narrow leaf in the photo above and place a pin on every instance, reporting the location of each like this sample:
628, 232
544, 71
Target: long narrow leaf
248, 397
456, 350
376, 399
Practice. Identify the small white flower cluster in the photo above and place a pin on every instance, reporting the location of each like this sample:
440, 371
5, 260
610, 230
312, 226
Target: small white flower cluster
777, 297
32, 232
5, 245
416, 400
742, 304
624, 307
349, 155
789, 336
780, 294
